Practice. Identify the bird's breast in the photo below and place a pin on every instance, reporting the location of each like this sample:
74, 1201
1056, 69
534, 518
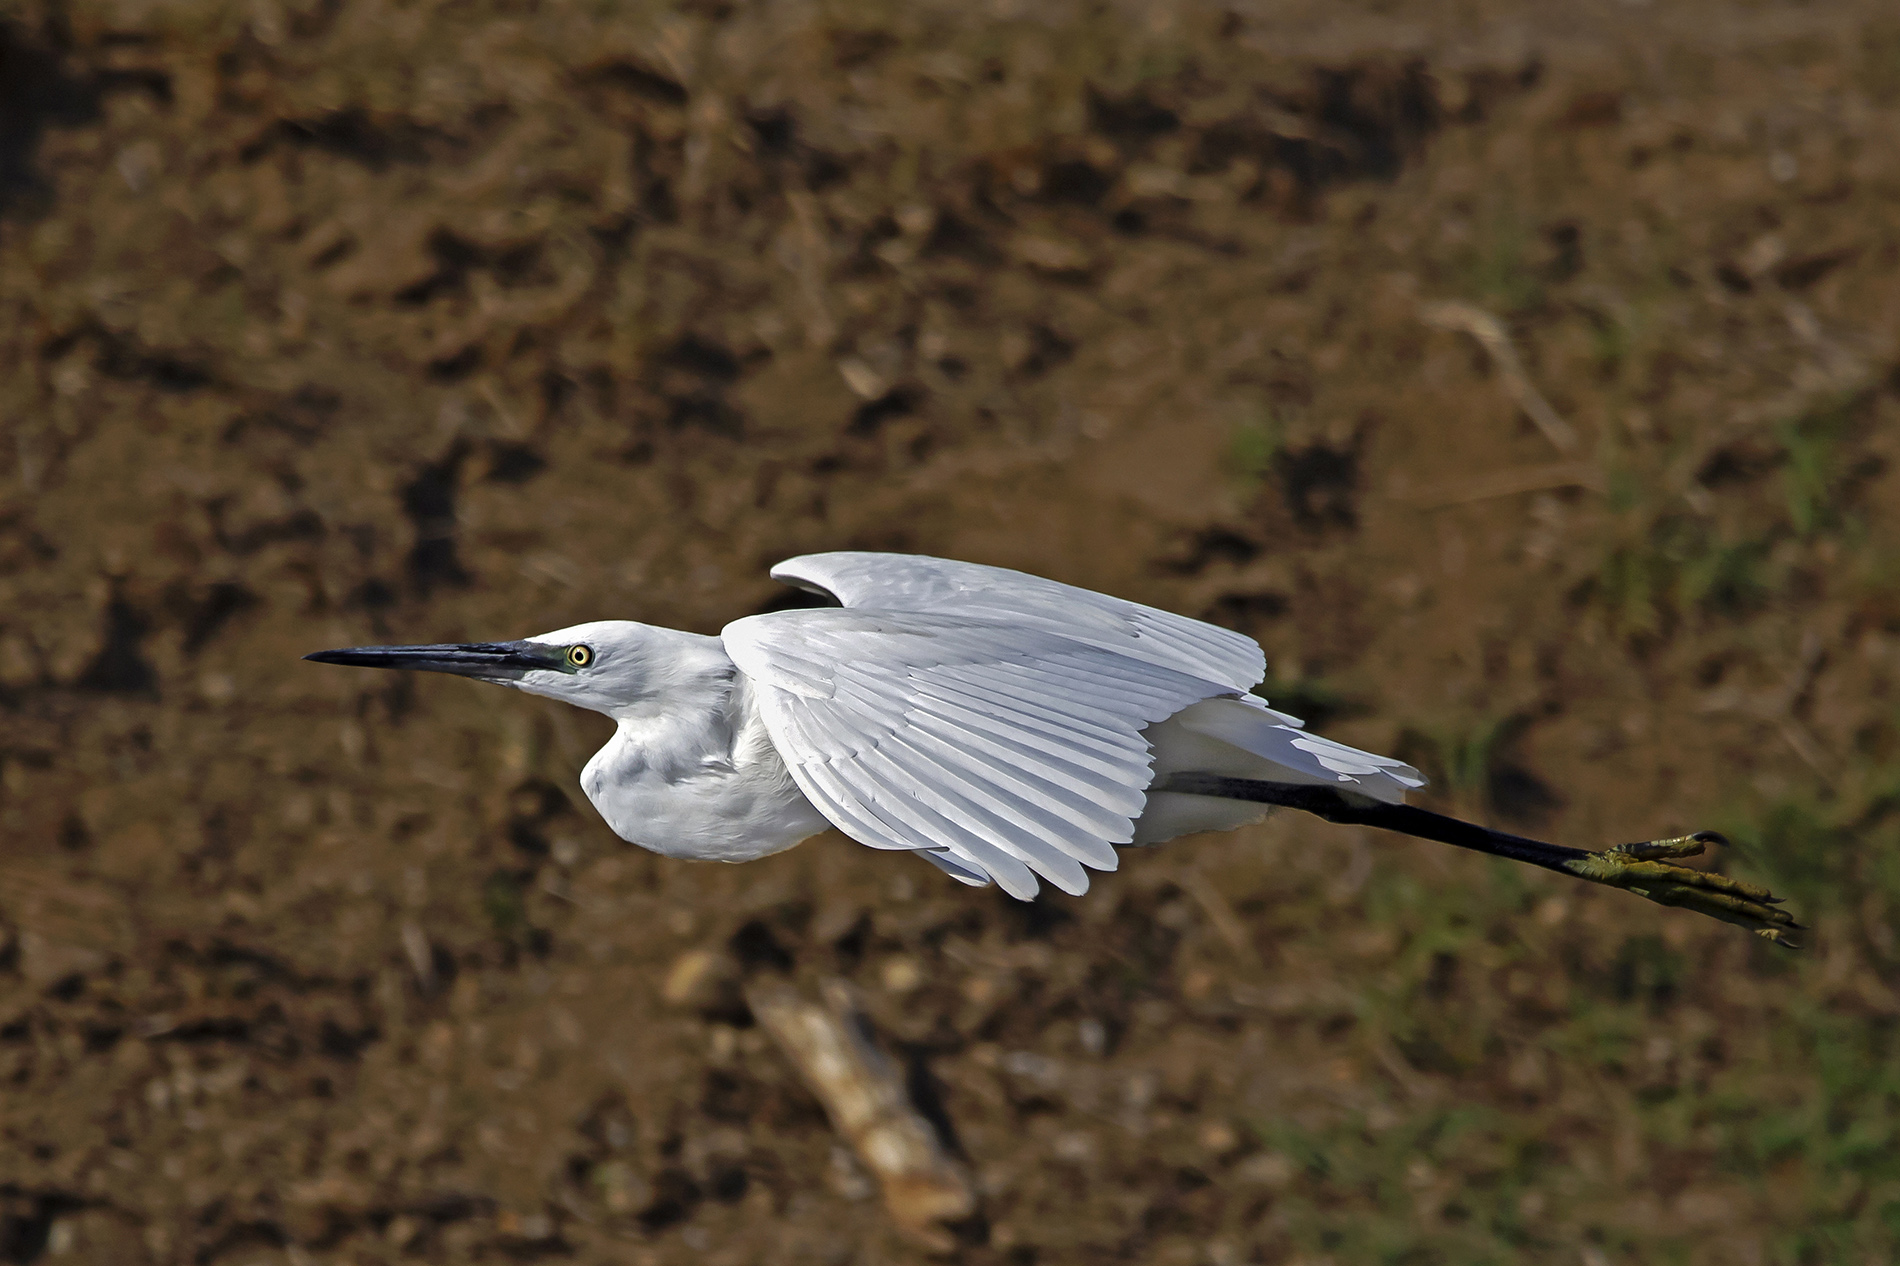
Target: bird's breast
718, 811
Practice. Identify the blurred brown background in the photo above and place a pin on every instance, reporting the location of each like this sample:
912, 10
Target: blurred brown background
336, 321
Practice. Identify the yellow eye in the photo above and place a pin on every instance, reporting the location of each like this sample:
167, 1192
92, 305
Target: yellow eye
580, 656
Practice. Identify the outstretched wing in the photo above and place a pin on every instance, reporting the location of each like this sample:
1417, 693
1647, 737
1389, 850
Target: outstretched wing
997, 745
914, 582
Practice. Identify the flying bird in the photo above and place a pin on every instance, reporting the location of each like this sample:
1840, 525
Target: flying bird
1006, 728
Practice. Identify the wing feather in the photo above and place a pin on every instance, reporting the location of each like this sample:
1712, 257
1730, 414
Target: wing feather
956, 867
1009, 872
901, 814
914, 582
1028, 808
1004, 749
851, 812
944, 804
1251, 726
1081, 766
1028, 775
1079, 744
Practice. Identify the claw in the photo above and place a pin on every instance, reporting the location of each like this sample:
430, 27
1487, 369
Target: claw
1640, 868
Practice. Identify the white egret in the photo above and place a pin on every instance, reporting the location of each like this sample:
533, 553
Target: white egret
1004, 727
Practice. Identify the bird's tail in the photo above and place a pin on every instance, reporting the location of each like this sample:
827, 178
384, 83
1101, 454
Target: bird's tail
1244, 740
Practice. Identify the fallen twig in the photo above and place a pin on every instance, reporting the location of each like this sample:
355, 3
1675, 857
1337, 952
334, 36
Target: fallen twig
864, 1096
1780, 708
1220, 913
1506, 483
1496, 341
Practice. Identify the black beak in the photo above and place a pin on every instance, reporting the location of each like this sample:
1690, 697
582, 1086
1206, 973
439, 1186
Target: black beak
491, 661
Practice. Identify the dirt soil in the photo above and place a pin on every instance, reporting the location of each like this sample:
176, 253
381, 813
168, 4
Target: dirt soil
325, 322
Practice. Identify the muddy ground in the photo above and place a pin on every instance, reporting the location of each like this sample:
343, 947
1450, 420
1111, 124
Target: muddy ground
338, 321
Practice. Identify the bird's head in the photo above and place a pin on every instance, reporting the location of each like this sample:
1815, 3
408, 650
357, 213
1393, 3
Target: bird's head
609, 666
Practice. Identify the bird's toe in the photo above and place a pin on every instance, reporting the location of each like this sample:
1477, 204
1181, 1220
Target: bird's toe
1640, 868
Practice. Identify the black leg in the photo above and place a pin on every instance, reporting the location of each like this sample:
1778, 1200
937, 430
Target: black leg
1405, 819
1642, 868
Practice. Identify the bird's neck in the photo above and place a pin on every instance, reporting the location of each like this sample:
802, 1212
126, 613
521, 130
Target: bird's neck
685, 718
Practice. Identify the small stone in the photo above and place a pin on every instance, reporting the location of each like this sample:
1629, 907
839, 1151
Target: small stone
621, 1189
980, 990
1049, 254
1269, 1169
901, 974
698, 978
865, 383
1074, 1146
1219, 1137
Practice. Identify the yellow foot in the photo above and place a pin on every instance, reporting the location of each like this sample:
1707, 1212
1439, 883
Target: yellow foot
1639, 868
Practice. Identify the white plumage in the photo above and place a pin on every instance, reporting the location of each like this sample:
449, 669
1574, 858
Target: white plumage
1006, 727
